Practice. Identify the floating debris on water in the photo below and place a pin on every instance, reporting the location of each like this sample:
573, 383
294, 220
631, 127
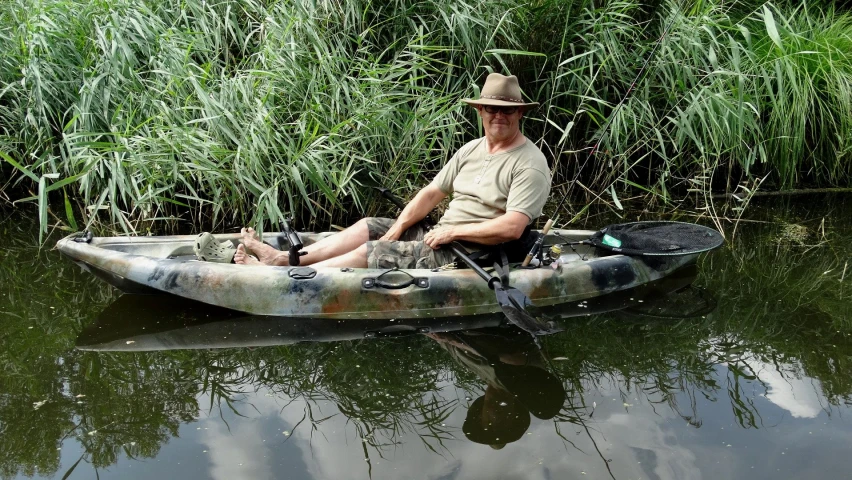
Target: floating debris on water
792, 233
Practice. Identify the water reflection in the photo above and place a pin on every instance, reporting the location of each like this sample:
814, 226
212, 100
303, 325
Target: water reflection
748, 367
384, 401
517, 383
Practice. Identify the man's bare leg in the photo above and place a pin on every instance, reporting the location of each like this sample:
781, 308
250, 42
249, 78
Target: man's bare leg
325, 249
265, 254
355, 259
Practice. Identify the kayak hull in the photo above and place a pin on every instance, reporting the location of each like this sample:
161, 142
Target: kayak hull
166, 265
167, 322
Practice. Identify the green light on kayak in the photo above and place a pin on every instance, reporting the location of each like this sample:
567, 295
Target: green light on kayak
611, 241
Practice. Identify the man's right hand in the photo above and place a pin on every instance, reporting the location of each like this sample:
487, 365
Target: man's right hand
393, 234
423, 203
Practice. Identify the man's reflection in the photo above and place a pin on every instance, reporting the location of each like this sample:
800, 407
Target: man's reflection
517, 383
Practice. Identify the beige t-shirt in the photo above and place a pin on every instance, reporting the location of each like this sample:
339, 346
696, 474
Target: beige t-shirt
486, 186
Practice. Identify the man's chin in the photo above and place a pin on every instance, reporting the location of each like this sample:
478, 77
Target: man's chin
501, 133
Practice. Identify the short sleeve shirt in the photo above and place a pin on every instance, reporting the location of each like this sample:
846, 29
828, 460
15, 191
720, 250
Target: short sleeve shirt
486, 186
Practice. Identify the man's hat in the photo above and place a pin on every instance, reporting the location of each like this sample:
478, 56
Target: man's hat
496, 418
501, 91
502, 414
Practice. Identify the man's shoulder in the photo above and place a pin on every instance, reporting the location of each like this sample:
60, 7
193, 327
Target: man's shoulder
531, 149
469, 147
532, 156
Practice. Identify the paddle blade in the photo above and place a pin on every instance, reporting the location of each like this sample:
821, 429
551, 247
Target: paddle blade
514, 304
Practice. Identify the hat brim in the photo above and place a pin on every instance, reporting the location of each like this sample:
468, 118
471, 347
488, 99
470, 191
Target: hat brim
513, 420
498, 103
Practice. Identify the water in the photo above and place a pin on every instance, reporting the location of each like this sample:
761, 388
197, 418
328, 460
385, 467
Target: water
745, 374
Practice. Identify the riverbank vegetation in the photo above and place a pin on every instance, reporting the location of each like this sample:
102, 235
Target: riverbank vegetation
221, 113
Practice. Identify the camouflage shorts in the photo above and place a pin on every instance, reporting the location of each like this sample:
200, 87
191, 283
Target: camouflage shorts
407, 252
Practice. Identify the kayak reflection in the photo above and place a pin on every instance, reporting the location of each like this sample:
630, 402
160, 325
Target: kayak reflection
517, 383
455, 383
166, 322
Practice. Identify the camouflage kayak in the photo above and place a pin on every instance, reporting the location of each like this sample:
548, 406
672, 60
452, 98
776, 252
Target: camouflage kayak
167, 264
166, 322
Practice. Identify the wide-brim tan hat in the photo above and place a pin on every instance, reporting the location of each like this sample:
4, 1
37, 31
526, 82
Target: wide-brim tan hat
501, 91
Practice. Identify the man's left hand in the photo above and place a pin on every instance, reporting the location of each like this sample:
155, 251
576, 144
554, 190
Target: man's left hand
439, 236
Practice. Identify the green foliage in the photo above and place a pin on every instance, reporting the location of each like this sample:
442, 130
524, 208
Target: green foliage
221, 113
727, 93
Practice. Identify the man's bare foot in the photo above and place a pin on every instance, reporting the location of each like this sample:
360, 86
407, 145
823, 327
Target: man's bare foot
241, 257
266, 254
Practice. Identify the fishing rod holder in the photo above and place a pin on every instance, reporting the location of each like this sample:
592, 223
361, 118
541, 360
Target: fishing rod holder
295, 243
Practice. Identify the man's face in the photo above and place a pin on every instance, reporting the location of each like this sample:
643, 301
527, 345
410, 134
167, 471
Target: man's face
500, 125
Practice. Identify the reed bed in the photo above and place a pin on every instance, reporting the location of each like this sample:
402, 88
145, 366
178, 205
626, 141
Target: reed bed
140, 114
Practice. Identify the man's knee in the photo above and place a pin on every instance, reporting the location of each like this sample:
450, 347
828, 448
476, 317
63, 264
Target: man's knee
357, 258
362, 223
361, 229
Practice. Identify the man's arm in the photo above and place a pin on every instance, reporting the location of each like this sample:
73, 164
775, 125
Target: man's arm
417, 209
507, 227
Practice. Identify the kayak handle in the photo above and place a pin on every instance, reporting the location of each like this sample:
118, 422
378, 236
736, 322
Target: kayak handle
373, 282
83, 237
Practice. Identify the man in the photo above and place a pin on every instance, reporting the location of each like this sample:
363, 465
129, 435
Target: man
499, 183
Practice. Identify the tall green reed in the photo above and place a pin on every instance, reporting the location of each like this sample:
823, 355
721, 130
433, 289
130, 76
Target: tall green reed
732, 93
137, 113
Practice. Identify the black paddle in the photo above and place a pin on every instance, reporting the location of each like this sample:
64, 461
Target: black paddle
512, 301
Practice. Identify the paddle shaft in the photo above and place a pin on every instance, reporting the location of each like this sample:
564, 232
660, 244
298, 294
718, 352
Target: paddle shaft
455, 247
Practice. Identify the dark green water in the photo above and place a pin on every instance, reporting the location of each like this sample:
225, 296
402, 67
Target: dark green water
746, 374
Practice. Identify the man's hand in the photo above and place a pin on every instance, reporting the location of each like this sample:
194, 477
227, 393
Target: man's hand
439, 236
391, 235
425, 200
